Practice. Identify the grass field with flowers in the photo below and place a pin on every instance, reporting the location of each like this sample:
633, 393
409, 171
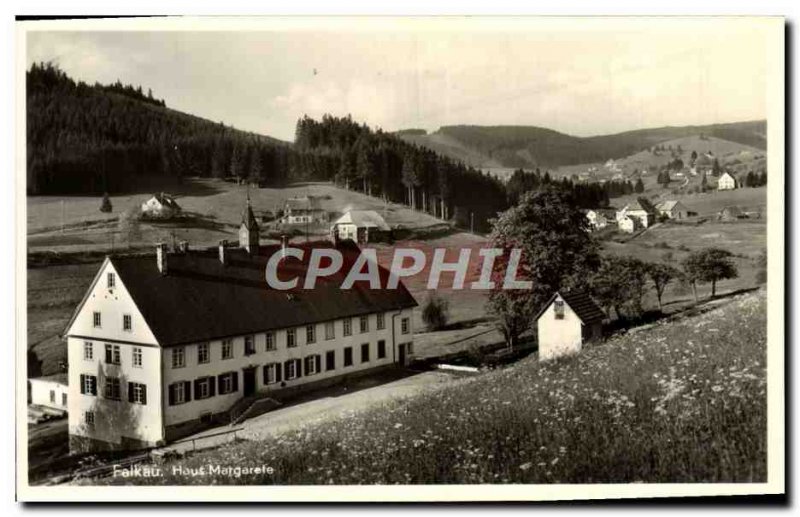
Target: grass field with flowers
684, 401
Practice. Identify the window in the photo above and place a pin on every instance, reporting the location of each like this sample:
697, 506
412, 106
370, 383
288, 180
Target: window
204, 388
270, 341
137, 393
126, 322
348, 327
88, 418
112, 354
249, 345
290, 338
558, 309
312, 365
63, 399
97, 320
330, 330
53, 396
363, 323
381, 349
410, 348
228, 383
348, 356
88, 384
405, 326
178, 357
110, 280
292, 369
381, 320
311, 334
330, 360
88, 350
271, 371
227, 349
203, 355
179, 393
112, 388
365, 353
137, 357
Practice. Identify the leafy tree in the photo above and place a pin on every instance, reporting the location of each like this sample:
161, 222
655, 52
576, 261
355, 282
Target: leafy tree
709, 265
716, 169
556, 249
435, 311
620, 283
703, 182
694, 158
105, 205
661, 275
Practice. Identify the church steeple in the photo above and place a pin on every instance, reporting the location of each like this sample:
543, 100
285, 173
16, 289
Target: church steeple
248, 230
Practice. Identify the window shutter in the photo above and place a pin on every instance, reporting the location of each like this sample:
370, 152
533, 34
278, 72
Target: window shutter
219, 381
235, 382
278, 372
297, 368
144, 394
286, 368
265, 368
130, 392
318, 360
307, 365
211, 386
93, 384
109, 357
187, 391
197, 387
83, 384
171, 395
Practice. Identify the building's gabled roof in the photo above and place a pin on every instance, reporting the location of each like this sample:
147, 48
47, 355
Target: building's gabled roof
667, 206
364, 219
201, 299
248, 219
307, 203
726, 173
58, 378
732, 210
580, 302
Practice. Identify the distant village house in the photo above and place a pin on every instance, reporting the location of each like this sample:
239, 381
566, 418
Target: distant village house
599, 218
161, 205
672, 210
304, 210
726, 182
361, 226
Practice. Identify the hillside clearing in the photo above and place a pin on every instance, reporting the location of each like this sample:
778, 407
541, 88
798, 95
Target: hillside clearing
683, 401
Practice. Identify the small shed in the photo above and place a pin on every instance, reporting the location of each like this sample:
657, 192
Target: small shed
731, 213
50, 391
567, 321
672, 209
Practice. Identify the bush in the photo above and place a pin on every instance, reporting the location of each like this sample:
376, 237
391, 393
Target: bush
106, 207
761, 277
435, 312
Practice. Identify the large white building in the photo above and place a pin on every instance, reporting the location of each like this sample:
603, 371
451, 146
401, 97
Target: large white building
162, 346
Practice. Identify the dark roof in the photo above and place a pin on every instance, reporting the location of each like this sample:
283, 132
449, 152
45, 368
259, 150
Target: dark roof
580, 302
248, 219
166, 200
199, 298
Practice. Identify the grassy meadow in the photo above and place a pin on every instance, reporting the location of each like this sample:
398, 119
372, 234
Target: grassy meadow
682, 401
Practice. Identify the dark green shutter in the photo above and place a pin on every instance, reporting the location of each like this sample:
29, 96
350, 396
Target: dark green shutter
197, 388
211, 386
286, 369
278, 372
318, 360
187, 391
235, 376
298, 368
130, 392
144, 394
171, 396
83, 384
219, 381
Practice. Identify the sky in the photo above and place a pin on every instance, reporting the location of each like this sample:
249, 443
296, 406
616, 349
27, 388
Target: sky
578, 78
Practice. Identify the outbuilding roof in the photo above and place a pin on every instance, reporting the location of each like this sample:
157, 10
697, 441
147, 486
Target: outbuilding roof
580, 302
364, 219
201, 299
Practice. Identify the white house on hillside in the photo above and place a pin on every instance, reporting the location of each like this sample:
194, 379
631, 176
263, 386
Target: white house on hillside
161, 205
642, 216
726, 182
303, 210
163, 346
566, 322
600, 218
360, 226
672, 209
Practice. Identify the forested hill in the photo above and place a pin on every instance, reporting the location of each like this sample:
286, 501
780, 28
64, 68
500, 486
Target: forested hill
529, 146
104, 138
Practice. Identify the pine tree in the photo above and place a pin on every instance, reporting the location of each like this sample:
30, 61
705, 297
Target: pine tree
256, 176
639, 187
105, 206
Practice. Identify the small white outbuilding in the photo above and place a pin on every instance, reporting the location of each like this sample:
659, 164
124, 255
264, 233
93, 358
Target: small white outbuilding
566, 322
50, 391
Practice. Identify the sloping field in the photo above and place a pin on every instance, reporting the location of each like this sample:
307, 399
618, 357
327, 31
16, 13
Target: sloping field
683, 401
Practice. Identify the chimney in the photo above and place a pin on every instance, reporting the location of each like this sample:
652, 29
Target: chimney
223, 255
284, 245
183, 246
161, 257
